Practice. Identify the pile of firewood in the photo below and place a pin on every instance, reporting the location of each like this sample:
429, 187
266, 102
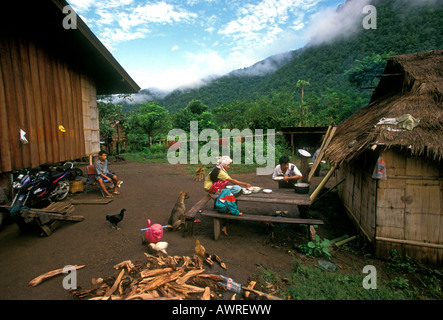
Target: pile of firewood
163, 278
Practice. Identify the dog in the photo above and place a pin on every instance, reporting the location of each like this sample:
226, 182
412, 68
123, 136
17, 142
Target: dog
200, 173
177, 218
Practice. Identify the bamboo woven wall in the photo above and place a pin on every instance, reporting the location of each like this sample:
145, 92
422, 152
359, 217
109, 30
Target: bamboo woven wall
358, 193
39, 92
410, 208
404, 212
90, 116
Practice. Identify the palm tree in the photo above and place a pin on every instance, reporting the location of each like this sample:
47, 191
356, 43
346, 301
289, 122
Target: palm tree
301, 84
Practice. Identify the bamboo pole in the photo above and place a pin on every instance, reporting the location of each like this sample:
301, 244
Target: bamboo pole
322, 184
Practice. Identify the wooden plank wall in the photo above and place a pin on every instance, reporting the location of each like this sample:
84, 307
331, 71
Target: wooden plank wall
38, 92
410, 209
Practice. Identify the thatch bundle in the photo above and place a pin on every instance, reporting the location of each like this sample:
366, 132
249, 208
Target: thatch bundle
411, 84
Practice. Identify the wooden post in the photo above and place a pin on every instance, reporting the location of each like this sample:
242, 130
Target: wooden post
216, 229
304, 169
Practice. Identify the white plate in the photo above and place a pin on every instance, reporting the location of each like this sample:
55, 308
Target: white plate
304, 153
267, 190
278, 178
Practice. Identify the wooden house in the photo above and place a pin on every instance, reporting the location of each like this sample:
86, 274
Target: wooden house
50, 76
405, 211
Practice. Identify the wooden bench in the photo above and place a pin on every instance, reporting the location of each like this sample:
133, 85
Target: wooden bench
259, 218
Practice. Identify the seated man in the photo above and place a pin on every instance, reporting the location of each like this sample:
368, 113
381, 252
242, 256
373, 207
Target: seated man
101, 168
288, 171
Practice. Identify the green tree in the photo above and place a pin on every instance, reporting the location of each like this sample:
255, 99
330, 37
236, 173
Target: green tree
194, 111
364, 71
232, 115
150, 120
302, 84
109, 116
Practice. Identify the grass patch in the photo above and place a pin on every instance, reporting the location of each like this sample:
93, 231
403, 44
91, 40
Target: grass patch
311, 282
145, 157
307, 282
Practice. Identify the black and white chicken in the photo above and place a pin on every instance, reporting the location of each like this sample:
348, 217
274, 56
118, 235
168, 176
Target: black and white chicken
116, 218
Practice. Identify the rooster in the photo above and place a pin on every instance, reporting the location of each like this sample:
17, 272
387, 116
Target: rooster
116, 218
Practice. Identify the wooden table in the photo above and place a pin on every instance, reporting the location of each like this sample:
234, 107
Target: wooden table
278, 195
283, 195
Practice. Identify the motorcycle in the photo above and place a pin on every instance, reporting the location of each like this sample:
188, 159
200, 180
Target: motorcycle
33, 189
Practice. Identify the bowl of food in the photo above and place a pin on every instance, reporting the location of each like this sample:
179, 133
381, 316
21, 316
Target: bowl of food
246, 191
255, 189
301, 188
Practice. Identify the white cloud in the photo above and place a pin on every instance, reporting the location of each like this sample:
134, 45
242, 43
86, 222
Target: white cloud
327, 25
174, 48
261, 24
81, 5
124, 20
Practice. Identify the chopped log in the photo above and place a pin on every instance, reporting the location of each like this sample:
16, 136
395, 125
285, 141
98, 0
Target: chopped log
161, 280
209, 261
206, 282
155, 272
158, 260
211, 276
128, 264
262, 294
171, 262
130, 292
207, 294
188, 275
250, 286
115, 286
197, 261
190, 288
147, 296
49, 274
142, 296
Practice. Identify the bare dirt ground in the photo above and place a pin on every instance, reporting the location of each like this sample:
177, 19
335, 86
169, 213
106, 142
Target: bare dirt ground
150, 191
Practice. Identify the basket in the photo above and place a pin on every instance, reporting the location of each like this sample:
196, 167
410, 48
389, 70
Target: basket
76, 186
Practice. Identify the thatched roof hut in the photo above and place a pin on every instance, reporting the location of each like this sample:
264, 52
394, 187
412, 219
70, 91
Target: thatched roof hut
405, 211
411, 84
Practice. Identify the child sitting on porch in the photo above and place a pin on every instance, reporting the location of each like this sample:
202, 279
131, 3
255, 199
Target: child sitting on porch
227, 203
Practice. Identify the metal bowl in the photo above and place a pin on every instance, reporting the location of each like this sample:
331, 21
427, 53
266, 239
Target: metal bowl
301, 188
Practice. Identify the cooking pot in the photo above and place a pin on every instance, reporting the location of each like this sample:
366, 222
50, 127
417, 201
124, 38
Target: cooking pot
301, 188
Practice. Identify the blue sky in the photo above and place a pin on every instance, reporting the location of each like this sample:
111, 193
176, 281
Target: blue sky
174, 43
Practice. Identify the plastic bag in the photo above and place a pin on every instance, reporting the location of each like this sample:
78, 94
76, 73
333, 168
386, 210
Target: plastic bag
380, 169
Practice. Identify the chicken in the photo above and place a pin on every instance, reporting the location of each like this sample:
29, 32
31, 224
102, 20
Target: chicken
116, 218
159, 246
199, 249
